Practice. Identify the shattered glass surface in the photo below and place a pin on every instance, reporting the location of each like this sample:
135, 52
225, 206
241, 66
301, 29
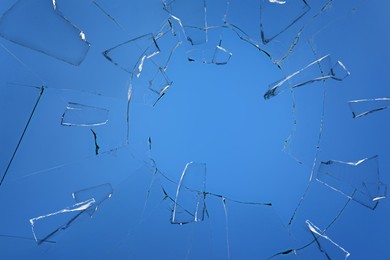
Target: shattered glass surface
197, 129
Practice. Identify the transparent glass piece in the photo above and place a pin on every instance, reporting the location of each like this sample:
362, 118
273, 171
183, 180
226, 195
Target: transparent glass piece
87, 201
277, 2
169, 42
327, 248
131, 55
210, 53
59, 140
21, 91
45, 30
321, 246
212, 114
221, 55
97, 147
363, 107
98, 193
83, 115
190, 201
358, 180
105, 12
250, 223
319, 70
287, 45
234, 17
23, 101
285, 13
46, 226
158, 85
191, 17
151, 86
127, 16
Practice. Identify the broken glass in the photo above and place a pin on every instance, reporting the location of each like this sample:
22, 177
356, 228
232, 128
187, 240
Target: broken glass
87, 201
45, 30
191, 16
20, 93
131, 55
358, 180
26, 95
286, 13
318, 245
201, 28
164, 88
208, 215
149, 80
190, 201
152, 85
221, 55
210, 53
97, 147
326, 247
363, 107
101, 113
321, 247
46, 226
83, 115
326, 70
289, 14
99, 194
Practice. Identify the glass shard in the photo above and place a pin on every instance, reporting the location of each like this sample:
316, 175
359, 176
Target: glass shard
131, 55
285, 13
82, 115
209, 53
10, 145
46, 226
158, 84
277, 2
221, 55
363, 107
97, 147
356, 180
98, 193
107, 116
87, 201
45, 30
326, 245
164, 103
309, 74
191, 17
249, 223
190, 201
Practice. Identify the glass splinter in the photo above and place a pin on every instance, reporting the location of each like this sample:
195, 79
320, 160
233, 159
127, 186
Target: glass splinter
131, 55
358, 180
321, 234
285, 13
191, 17
304, 76
218, 56
95, 141
277, 2
22, 135
225, 126
99, 193
87, 200
364, 107
46, 226
189, 205
82, 115
45, 30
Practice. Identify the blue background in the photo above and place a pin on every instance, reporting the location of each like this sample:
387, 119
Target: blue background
213, 114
